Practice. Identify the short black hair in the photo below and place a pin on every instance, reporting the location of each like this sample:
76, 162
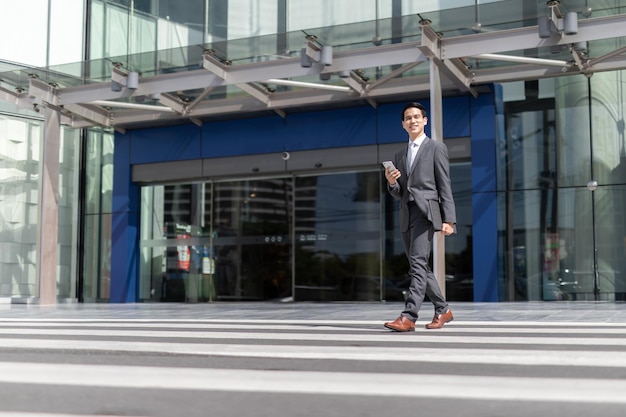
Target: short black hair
414, 105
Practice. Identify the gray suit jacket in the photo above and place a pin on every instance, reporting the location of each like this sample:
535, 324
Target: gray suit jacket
428, 182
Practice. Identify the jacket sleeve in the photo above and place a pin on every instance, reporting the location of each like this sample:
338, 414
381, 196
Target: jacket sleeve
442, 177
394, 190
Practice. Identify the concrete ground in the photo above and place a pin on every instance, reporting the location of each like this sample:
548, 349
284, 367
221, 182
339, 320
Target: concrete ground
311, 359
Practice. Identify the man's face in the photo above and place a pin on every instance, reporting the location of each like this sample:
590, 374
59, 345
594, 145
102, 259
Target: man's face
414, 122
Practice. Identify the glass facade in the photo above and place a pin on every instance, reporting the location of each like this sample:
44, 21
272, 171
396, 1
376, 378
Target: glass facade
55, 32
20, 158
561, 178
96, 262
55, 36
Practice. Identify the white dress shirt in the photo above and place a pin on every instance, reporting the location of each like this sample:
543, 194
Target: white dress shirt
413, 148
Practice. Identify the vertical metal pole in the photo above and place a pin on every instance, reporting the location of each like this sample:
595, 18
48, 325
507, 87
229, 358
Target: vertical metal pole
48, 212
436, 133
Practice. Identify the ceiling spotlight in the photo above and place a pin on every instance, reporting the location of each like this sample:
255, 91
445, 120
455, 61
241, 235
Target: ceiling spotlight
132, 80
570, 23
544, 25
326, 55
305, 60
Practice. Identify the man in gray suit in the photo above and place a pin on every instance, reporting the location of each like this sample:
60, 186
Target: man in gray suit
421, 181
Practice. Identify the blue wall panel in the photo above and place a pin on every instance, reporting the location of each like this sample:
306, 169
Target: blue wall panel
157, 145
483, 144
330, 129
484, 207
244, 137
456, 117
485, 246
124, 228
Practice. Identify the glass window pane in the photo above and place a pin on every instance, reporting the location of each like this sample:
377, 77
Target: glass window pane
551, 237
458, 248
99, 172
337, 236
19, 191
248, 19
216, 241
66, 31
68, 212
572, 125
330, 13
97, 258
28, 21
610, 216
530, 147
395, 262
252, 245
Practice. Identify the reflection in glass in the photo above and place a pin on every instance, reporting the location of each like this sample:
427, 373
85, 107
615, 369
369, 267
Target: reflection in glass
458, 247
608, 112
216, 241
241, 240
337, 233
551, 250
610, 206
96, 271
252, 223
565, 241
572, 124
68, 212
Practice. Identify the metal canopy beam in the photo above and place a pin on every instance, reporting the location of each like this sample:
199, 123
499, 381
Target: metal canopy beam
18, 99
527, 38
446, 53
454, 69
93, 114
284, 68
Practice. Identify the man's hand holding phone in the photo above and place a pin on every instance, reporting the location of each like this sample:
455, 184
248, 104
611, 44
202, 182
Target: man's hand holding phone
391, 172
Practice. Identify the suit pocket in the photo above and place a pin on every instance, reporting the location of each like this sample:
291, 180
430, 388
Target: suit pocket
435, 214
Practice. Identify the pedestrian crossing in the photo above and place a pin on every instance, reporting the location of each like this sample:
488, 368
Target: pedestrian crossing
558, 366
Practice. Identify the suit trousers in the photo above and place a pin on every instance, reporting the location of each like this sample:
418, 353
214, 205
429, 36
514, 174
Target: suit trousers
417, 241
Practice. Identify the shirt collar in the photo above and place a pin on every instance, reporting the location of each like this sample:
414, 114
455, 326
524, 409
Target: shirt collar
418, 141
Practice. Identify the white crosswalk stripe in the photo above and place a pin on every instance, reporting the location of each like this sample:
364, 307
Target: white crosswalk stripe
495, 361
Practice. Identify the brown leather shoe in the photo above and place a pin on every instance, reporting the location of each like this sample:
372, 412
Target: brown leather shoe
440, 319
401, 324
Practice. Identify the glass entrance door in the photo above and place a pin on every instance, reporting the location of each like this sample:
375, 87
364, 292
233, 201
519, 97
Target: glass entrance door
252, 223
216, 241
337, 238
303, 238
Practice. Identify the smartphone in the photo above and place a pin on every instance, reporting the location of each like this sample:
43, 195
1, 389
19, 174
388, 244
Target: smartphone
389, 165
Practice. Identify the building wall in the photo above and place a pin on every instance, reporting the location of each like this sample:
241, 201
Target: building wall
269, 137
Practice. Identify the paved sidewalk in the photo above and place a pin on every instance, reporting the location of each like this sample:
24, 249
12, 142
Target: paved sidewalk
592, 312
311, 359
